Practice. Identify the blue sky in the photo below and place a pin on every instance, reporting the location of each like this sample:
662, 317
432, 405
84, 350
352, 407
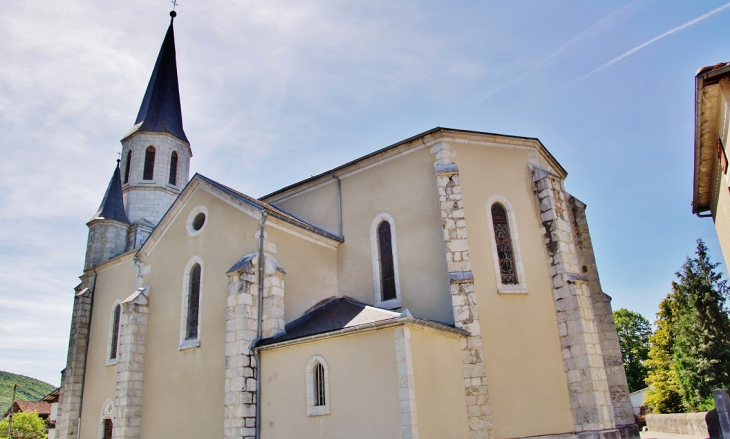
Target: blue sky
276, 91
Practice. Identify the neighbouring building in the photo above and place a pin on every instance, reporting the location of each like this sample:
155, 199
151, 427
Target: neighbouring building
441, 287
711, 191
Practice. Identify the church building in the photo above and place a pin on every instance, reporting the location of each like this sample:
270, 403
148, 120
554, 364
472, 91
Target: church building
441, 287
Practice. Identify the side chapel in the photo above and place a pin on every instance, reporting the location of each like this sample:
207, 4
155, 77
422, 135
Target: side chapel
441, 287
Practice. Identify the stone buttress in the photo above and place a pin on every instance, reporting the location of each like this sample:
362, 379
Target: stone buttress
613, 362
69, 401
463, 294
590, 398
241, 325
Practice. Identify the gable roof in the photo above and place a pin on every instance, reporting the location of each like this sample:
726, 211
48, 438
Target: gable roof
435, 130
43, 408
343, 314
255, 204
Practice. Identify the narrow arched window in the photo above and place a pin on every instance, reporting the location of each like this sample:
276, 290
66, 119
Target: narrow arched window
173, 169
503, 239
149, 164
387, 271
191, 332
114, 342
126, 167
320, 398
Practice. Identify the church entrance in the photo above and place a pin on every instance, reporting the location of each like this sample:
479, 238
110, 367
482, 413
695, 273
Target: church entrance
108, 426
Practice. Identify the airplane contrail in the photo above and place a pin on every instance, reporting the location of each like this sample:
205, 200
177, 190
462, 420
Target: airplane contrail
653, 40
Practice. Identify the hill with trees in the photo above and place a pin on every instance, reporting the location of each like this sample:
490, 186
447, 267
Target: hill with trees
29, 389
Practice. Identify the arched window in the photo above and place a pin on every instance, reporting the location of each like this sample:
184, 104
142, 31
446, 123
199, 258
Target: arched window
386, 283
317, 376
191, 332
113, 345
503, 238
505, 246
126, 167
115, 318
173, 169
149, 164
387, 271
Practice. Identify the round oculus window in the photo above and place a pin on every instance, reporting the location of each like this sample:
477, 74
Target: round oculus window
198, 221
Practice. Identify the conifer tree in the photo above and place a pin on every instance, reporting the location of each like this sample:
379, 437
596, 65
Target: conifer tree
701, 330
664, 394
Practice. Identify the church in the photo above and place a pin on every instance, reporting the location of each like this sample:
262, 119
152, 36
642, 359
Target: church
444, 286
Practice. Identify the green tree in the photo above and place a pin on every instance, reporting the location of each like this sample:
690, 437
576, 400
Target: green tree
701, 330
25, 426
634, 331
664, 394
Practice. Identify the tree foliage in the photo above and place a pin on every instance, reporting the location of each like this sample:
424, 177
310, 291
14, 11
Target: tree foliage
25, 426
634, 331
691, 347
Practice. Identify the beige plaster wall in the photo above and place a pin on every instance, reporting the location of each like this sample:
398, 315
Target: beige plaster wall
520, 333
720, 193
363, 389
404, 188
115, 281
438, 373
318, 207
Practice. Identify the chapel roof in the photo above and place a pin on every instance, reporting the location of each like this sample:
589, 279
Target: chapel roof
344, 314
160, 110
112, 206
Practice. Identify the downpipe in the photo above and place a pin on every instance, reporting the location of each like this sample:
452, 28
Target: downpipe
259, 323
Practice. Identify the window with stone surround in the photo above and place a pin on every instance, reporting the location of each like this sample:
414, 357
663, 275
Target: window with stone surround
127, 166
191, 301
149, 164
114, 327
173, 169
386, 279
317, 377
505, 245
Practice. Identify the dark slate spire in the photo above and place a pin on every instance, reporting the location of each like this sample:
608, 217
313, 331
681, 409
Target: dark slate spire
112, 206
160, 110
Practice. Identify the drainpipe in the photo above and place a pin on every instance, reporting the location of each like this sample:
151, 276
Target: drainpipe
339, 198
259, 330
86, 355
136, 276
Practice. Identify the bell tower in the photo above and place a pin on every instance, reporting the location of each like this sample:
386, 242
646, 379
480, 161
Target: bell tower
155, 152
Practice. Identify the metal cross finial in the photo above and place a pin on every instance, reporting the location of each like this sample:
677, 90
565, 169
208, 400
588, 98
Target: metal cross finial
119, 155
174, 4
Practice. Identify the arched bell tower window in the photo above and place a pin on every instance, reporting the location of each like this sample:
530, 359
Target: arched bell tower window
127, 166
149, 164
190, 315
386, 281
505, 246
173, 169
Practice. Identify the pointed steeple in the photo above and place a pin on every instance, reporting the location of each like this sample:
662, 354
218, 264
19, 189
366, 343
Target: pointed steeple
112, 206
160, 110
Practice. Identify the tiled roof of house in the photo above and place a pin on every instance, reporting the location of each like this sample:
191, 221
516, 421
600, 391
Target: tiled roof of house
43, 408
53, 396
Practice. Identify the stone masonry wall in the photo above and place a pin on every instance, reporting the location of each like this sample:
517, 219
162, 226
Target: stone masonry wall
582, 356
107, 239
463, 294
241, 326
130, 366
610, 348
69, 403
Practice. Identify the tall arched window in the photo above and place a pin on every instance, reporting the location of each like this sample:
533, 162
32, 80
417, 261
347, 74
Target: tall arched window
149, 164
126, 167
504, 244
191, 332
114, 343
386, 285
387, 271
173, 169
318, 396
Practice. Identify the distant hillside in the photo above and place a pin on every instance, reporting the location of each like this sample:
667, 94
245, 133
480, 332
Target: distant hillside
29, 389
